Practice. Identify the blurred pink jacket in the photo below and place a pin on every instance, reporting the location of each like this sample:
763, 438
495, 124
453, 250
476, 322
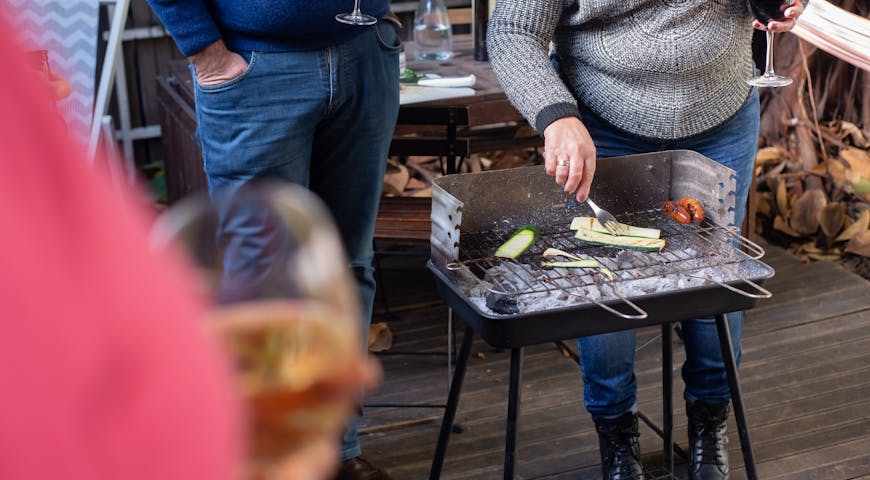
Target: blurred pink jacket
106, 370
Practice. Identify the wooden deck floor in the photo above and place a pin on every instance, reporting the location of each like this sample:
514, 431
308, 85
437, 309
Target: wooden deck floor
805, 378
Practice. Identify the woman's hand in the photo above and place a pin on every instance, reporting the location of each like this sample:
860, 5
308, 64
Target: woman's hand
570, 155
791, 15
215, 64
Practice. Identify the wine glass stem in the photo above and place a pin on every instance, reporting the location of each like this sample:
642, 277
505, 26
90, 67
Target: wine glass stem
356, 10
768, 67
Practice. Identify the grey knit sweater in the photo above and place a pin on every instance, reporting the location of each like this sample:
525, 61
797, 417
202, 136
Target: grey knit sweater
659, 69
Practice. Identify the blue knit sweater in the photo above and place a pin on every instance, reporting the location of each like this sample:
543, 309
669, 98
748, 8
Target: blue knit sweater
260, 25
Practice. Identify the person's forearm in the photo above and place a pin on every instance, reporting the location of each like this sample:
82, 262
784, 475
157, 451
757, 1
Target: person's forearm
189, 22
519, 36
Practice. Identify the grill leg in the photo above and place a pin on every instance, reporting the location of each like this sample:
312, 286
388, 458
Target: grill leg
452, 402
736, 399
668, 396
514, 397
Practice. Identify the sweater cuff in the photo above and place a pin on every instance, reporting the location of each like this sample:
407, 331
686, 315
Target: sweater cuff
551, 113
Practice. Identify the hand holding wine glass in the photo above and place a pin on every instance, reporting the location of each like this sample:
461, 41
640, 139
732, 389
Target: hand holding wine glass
773, 16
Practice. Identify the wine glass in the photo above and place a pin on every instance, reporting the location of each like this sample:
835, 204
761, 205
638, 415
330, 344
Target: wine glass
765, 11
356, 17
285, 306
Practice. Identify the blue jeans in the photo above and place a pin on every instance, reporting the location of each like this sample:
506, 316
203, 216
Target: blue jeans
322, 119
610, 387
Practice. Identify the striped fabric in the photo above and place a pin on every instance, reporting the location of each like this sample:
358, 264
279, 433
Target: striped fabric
67, 29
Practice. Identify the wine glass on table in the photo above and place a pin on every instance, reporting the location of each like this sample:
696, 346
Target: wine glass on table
765, 11
286, 308
356, 17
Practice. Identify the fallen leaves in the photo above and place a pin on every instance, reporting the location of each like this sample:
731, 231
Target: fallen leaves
819, 207
806, 210
860, 244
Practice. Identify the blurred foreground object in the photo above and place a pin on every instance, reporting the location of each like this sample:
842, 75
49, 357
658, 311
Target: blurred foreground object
60, 87
290, 314
836, 31
107, 371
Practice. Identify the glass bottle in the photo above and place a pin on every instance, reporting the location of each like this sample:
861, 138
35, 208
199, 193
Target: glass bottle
433, 37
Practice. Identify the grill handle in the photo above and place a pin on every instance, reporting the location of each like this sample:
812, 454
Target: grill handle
755, 250
762, 292
639, 315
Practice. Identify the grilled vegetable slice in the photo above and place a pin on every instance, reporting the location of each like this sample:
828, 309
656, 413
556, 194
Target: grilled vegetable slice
571, 264
622, 241
591, 223
518, 243
555, 252
606, 272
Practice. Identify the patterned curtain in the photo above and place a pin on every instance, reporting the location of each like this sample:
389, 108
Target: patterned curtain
67, 29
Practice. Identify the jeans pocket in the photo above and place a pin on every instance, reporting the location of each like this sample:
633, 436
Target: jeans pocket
219, 87
388, 39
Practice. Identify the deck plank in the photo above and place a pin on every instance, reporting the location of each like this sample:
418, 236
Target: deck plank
805, 378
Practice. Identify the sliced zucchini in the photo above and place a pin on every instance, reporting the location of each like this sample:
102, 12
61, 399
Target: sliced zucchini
622, 241
591, 223
518, 243
606, 272
555, 252
571, 264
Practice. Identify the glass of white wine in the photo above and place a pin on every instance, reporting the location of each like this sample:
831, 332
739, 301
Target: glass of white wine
284, 302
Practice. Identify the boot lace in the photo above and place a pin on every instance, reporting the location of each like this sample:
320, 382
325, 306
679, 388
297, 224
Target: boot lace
710, 432
621, 454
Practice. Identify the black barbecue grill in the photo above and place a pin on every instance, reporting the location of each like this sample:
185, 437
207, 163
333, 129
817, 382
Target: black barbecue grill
705, 269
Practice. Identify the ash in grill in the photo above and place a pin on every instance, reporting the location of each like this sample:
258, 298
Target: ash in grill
694, 256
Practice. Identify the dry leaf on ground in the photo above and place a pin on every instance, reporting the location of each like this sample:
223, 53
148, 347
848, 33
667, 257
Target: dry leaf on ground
380, 337
804, 216
781, 225
860, 244
860, 225
831, 218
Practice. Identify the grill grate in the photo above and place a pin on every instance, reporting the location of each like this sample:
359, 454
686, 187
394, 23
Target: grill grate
694, 255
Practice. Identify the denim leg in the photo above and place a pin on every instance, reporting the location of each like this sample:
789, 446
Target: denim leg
734, 145
703, 370
608, 360
350, 153
322, 119
248, 136
609, 384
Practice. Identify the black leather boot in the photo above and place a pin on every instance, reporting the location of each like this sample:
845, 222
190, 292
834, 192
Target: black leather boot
620, 451
708, 444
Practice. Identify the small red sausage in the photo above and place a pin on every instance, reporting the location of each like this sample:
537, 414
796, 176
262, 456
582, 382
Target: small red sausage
696, 211
681, 215
676, 212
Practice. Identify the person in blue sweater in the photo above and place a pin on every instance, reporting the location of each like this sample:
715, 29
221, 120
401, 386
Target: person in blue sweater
285, 92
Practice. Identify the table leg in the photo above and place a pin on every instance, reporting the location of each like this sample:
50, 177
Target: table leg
452, 402
668, 396
736, 400
452, 165
514, 397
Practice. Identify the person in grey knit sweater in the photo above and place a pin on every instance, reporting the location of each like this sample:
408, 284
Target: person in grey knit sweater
627, 77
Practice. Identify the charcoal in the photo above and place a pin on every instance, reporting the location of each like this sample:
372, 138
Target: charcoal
502, 303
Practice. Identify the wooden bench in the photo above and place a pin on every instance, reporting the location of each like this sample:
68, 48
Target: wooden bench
404, 218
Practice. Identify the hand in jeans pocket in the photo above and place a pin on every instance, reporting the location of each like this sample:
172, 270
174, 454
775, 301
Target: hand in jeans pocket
215, 64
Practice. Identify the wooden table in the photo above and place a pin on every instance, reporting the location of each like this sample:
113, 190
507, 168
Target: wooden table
457, 127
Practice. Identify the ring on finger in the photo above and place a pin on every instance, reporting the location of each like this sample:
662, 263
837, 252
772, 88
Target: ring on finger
563, 162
